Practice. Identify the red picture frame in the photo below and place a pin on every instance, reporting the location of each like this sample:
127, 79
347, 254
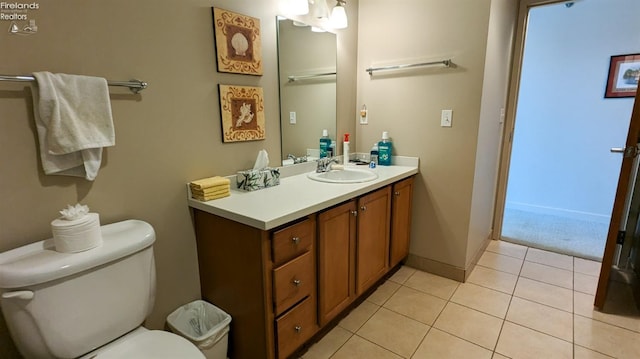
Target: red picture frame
624, 73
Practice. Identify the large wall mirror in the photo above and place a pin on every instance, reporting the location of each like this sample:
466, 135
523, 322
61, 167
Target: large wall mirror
307, 74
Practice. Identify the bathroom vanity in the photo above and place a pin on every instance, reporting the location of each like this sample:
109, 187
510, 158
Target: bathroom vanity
286, 261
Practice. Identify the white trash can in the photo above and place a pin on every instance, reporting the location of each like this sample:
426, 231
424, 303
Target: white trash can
205, 325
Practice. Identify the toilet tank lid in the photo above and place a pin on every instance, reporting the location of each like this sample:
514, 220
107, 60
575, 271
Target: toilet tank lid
38, 262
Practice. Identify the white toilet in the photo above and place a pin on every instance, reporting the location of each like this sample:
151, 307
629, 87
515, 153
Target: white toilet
89, 304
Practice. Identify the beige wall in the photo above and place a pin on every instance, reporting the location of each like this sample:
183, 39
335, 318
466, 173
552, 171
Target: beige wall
453, 194
502, 23
165, 137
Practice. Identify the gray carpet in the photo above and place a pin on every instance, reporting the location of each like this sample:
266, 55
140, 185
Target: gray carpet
574, 237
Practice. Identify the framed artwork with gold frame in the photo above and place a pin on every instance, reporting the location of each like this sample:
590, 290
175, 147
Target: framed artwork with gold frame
242, 112
237, 39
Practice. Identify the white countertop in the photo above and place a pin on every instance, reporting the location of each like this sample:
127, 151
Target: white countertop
298, 196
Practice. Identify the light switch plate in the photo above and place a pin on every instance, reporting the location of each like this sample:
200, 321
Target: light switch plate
446, 118
292, 118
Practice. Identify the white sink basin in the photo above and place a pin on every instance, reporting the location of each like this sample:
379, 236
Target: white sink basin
351, 175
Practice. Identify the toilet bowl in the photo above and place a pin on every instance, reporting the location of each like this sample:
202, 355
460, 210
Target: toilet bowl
89, 304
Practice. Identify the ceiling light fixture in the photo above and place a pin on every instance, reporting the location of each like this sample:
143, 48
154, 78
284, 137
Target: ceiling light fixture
339, 15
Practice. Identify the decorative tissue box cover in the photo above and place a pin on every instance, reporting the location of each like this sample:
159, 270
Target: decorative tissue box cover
251, 180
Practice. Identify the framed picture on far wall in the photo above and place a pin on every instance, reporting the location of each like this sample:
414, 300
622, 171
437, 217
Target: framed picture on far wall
624, 72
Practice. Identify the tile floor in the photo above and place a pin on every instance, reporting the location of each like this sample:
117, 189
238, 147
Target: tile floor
519, 302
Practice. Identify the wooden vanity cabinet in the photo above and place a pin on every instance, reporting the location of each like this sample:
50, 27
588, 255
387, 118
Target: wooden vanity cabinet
402, 193
281, 286
353, 251
336, 260
266, 281
372, 253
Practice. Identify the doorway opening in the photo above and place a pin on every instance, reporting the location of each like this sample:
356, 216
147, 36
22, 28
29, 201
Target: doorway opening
562, 176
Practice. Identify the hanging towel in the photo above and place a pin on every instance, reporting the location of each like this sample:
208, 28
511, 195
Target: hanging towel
74, 122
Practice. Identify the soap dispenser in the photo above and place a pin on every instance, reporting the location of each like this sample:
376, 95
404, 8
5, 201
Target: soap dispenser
384, 150
325, 144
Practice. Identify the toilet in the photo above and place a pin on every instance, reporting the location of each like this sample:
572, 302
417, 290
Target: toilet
89, 304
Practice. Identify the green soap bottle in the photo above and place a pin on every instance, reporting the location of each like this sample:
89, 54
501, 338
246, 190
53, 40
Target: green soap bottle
384, 150
325, 144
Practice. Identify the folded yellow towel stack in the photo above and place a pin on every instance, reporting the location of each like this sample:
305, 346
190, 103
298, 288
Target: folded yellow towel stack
207, 189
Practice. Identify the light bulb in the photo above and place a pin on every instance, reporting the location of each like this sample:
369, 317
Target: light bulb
339, 16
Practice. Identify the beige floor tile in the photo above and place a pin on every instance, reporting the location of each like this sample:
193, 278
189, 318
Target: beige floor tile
438, 345
586, 266
483, 299
432, 284
474, 326
501, 262
542, 318
543, 293
358, 316
402, 274
383, 292
544, 273
584, 353
619, 316
519, 342
550, 258
394, 332
585, 283
498, 356
357, 347
329, 344
491, 278
508, 249
605, 338
416, 305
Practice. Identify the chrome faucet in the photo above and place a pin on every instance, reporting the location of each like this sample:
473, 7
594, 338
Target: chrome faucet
324, 164
297, 159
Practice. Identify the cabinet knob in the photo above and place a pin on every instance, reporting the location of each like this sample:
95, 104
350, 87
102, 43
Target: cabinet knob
363, 208
297, 282
295, 240
298, 328
396, 193
355, 213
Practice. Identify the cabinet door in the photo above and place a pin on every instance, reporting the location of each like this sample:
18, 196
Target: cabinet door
336, 258
373, 238
401, 220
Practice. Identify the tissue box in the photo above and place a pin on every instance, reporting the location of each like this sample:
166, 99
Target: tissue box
251, 180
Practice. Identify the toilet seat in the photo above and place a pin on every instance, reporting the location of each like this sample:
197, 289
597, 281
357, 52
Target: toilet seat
151, 344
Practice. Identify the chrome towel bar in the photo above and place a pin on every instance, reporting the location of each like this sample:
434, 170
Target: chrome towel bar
445, 63
134, 85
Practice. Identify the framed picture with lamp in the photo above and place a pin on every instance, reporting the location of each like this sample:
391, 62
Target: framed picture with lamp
624, 72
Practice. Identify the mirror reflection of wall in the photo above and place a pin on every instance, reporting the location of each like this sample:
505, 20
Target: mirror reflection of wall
303, 54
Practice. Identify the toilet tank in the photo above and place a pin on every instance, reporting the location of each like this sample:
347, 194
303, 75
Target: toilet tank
63, 305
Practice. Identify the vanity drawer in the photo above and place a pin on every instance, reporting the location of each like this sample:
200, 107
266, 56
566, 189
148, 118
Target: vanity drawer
292, 241
296, 327
293, 281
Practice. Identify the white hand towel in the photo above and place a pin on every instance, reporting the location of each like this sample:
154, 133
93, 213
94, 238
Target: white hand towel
73, 119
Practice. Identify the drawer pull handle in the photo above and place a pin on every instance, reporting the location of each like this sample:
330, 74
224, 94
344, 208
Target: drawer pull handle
355, 213
295, 240
396, 193
363, 208
297, 282
298, 329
